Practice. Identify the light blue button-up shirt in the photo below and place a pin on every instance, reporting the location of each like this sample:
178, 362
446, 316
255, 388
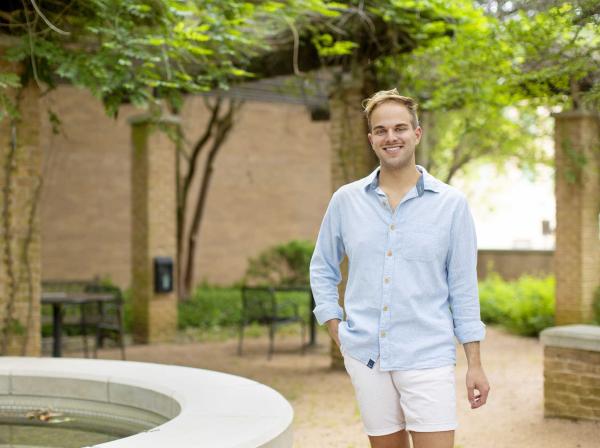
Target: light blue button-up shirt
412, 273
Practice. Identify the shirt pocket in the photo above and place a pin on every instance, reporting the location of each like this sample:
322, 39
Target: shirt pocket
419, 246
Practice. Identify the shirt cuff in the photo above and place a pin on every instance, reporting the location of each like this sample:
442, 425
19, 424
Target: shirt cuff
471, 332
323, 313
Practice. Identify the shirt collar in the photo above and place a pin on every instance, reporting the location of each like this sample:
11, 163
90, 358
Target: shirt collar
425, 182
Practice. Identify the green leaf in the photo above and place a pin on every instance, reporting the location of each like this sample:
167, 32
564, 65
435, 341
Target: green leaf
157, 41
240, 72
9, 80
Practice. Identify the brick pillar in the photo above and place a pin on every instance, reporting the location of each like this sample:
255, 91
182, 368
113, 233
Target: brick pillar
20, 258
153, 226
352, 157
577, 256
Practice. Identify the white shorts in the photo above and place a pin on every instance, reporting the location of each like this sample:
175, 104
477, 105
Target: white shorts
416, 400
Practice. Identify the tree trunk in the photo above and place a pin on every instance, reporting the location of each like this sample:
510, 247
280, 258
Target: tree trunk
352, 157
217, 132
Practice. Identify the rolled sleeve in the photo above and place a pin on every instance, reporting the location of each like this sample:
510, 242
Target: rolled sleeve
462, 277
325, 274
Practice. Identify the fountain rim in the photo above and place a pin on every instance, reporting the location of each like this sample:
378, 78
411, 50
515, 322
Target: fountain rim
202, 407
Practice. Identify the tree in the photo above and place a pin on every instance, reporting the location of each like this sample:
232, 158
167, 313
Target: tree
129, 51
468, 112
301, 35
480, 88
558, 59
146, 52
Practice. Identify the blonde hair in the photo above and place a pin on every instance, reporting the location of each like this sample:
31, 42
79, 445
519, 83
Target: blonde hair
384, 96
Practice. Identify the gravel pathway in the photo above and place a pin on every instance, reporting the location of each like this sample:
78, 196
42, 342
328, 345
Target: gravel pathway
323, 401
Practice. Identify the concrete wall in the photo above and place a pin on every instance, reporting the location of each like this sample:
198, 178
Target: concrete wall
271, 184
511, 264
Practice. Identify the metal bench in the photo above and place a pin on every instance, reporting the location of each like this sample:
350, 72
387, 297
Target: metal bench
260, 305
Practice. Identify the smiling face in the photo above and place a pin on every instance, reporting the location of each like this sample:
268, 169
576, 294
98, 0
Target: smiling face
392, 136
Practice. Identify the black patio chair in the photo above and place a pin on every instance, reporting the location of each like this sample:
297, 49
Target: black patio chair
260, 305
109, 317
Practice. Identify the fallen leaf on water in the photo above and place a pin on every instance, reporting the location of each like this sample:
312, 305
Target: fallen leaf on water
43, 415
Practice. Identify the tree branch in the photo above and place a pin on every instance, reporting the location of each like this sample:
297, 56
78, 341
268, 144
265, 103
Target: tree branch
456, 166
199, 146
45, 19
192, 167
458, 158
297, 71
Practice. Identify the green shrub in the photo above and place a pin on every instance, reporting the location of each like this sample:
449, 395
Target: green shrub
214, 307
495, 294
211, 307
283, 265
525, 306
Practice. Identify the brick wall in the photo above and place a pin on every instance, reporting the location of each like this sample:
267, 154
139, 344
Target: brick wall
571, 383
85, 211
268, 187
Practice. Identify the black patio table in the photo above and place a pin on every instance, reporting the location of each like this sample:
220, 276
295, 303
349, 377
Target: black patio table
59, 299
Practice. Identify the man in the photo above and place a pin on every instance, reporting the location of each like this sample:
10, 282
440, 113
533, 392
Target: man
412, 287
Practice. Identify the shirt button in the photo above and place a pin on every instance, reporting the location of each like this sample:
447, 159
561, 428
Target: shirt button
386, 280
385, 308
383, 334
389, 253
392, 226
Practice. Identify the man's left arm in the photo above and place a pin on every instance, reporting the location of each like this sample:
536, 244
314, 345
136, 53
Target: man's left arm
477, 383
464, 300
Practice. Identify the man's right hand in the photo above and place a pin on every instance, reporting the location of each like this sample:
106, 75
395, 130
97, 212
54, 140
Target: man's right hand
332, 326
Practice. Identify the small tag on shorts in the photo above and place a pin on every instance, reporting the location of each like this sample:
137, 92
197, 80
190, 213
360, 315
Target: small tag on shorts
370, 364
